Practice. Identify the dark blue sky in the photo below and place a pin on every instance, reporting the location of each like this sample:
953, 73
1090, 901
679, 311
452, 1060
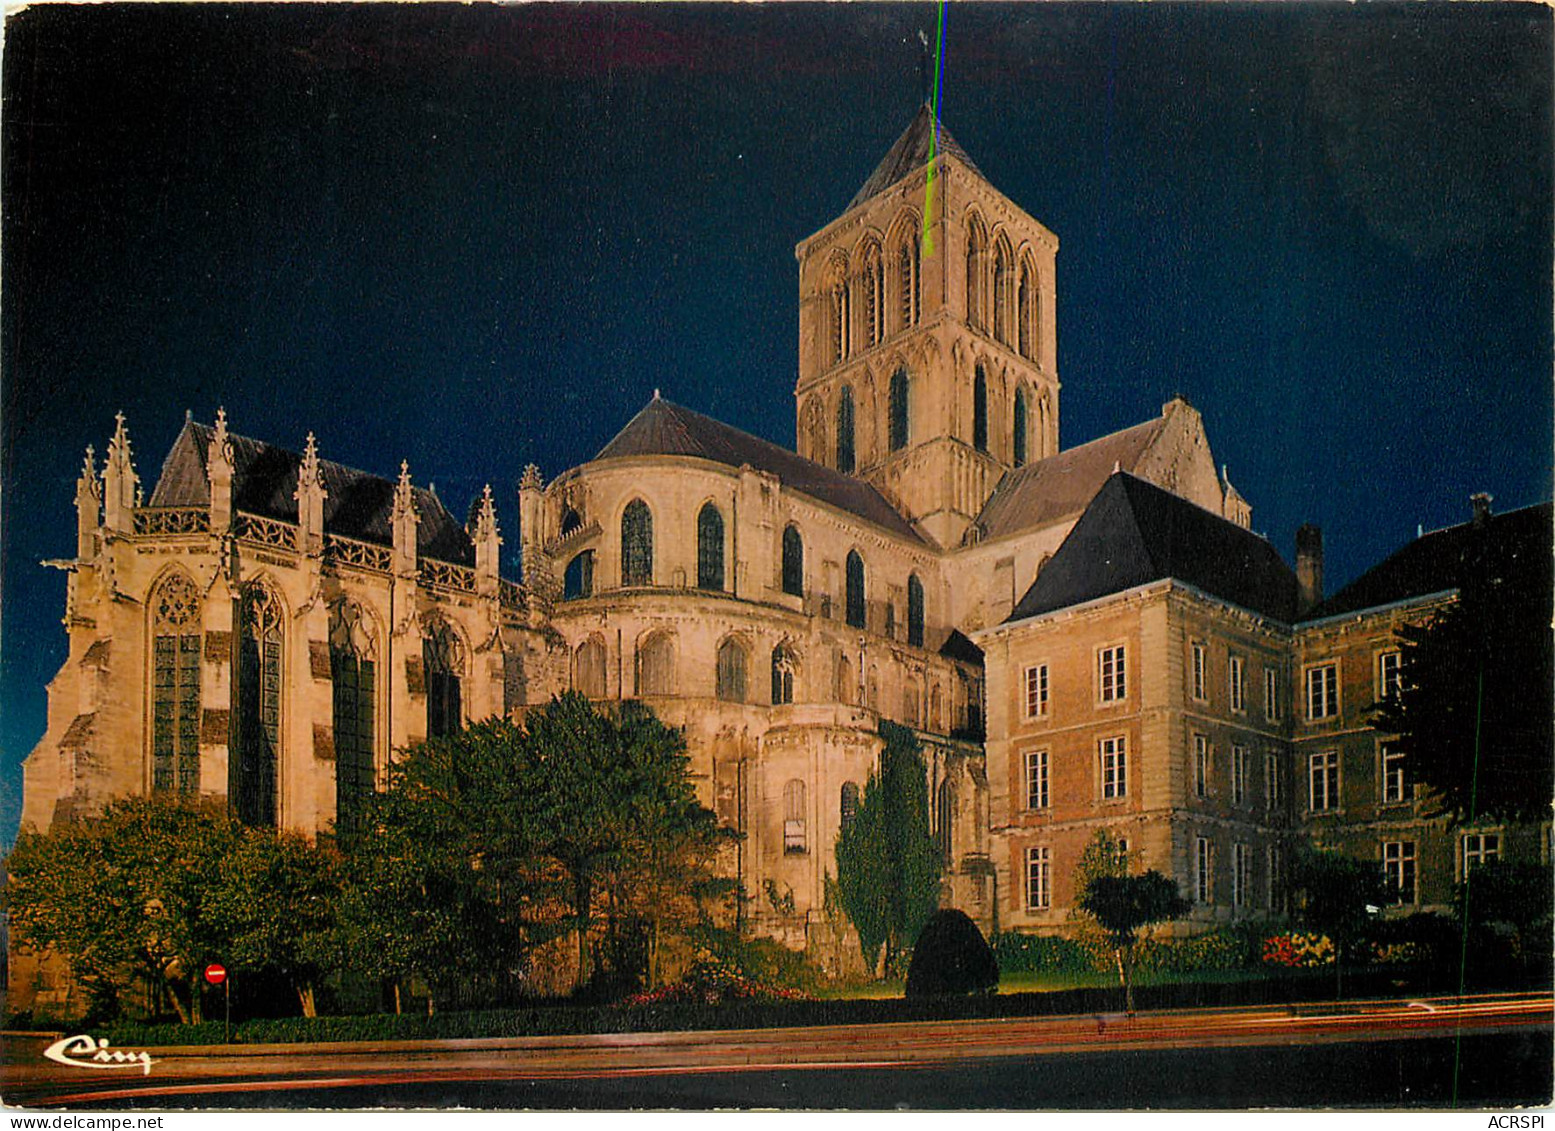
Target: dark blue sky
475, 237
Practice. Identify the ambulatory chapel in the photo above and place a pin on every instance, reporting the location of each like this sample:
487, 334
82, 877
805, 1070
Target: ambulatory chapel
1085, 636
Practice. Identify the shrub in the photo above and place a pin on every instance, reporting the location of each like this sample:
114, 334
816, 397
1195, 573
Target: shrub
1040, 954
711, 981
951, 957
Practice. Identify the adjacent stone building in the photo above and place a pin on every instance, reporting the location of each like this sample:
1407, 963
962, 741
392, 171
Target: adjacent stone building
271, 628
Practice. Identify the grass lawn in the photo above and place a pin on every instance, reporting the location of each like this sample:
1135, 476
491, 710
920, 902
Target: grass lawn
1029, 982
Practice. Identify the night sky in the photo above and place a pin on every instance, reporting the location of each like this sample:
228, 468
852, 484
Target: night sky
476, 237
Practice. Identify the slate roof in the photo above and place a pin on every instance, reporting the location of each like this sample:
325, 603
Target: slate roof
1134, 533
1063, 484
359, 505
1515, 547
911, 152
665, 429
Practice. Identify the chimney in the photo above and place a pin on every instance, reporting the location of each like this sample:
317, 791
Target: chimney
1309, 566
1481, 501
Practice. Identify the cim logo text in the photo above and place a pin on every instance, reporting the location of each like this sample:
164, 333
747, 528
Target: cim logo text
82, 1051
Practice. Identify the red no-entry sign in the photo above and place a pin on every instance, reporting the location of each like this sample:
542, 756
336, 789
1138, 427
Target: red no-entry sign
215, 973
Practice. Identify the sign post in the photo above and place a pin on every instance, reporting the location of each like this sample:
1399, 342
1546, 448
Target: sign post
216, 975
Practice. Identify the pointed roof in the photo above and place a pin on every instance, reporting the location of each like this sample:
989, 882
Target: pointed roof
1515, 548
911, 152
1134, 533
666, 429
264, 482
1063, 485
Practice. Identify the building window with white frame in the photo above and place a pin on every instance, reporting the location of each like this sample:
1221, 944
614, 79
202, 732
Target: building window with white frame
1112, 674
1323, 781
1203, 870
1238, 775
1036, 779
1234, 682
1322, 691
1390, 674
1200, 766
1036, 691
1478, 849
1241, 874
1396, 786
1275, 893
1198, 672
1398, 864
1271, 695
1039, 875
1114, 768
1271, 780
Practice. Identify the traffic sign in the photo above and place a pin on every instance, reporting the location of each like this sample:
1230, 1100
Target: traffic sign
215, 973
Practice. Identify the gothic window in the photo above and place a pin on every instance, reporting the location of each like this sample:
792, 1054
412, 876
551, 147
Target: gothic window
794, 816
855, 596
936, 710
914, 611
656, 665
259, 707
848, 809
352, 668
782, 676
874, 295
899, 410
793, 562
838, 296
710, 548
637, 544
945, 810
844, 690
911, 701
578, 580
570, 522
980, 409
589, 668
907, 279
1001, 291
1026, 306
175, 705
845, 459
731, 671
1018, 433
442, 658
976, 252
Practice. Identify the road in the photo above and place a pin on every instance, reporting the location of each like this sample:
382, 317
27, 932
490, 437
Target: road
1379, 1053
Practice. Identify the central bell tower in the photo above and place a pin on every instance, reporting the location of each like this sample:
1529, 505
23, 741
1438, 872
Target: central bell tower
927, 356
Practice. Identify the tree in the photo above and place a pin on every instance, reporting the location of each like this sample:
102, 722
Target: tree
888, 865
1474, 717
1123, 905
124, 895
1338, 896
951, 957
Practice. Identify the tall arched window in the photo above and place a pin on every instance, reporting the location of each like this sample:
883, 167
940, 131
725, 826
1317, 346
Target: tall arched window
253, 785
794, 839
840, 314
907, 279
856, 609
637, 544
1026, 306
793, 562
731, 671
945, 817
914, 611
175, 699
783, 665
1018, 430
976, 269
980, 409
442, 657
874, 295
578, 580
353, 671
845, 460
848, 807
710, 548
1001, 291
588, 674
900, 410
656, 665
844, 689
